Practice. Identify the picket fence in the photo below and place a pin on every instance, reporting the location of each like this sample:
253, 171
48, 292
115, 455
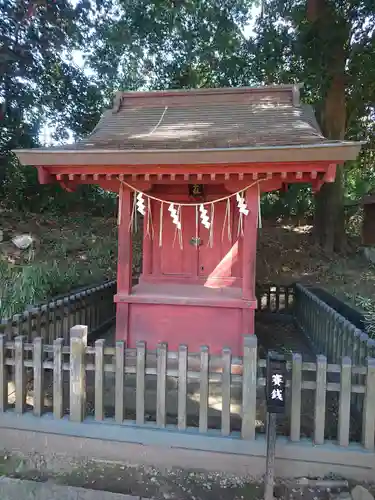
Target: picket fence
92, 306
328, 331
275, 299
22, 362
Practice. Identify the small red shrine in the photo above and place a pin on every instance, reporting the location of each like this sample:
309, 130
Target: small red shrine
193, 164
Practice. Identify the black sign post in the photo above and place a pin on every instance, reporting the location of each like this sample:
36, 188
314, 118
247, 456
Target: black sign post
275, 395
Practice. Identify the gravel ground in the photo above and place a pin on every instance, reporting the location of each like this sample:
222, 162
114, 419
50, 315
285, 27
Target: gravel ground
149, 482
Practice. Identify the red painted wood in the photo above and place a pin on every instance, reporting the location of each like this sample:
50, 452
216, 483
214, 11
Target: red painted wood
175, 260
186, 294
193, 263
249, 244
330, 174
307, 166
44, 177
189, 294
193, 280
122, 322
124, 259
192, 325
217, 261
247, 326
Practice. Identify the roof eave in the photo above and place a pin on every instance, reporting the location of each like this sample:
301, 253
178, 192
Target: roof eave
335, 152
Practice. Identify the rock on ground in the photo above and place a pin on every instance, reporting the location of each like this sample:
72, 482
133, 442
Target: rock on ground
17, 489
361, 493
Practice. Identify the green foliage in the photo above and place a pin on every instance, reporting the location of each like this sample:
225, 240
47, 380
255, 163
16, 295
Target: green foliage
295, 202
368, 307
172, 44
69, 251
39, 84
288, 48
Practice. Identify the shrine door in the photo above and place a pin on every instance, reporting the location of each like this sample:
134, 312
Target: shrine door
197, 258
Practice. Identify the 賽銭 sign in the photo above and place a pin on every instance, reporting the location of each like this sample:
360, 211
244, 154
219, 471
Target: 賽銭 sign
275, 385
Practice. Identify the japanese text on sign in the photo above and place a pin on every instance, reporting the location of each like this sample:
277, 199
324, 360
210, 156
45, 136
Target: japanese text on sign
275, 383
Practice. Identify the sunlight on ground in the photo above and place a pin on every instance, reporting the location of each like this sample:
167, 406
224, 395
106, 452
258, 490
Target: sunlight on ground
216, 403
299, 229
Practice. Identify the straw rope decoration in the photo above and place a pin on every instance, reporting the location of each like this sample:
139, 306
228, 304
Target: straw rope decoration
211, 237
201, 213
150, 224
227, 221
161, 224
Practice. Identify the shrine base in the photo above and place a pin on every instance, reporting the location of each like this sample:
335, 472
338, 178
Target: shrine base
184, 314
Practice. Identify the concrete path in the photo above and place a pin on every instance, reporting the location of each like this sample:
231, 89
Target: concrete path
17, 489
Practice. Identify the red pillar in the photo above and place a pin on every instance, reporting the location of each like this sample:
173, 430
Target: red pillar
249, 249
124, 263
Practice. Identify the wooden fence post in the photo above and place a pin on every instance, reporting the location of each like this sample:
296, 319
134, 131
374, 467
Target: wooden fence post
58, 408
140, 384
161, 387
3, 375
78, 343
38, 376
53, 321
16, 320
83, 308
335, 342
329, 338
44, 322
119, 381
368, 422
203, 390
249, 387
341, 339
36, 314
320, 399
99, 379
226, 389
296, 387
65, 321
182, 386
345, 397
20, 376
60, 323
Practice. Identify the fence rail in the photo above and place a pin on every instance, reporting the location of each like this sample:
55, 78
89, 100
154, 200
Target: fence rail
93, 307
79, 379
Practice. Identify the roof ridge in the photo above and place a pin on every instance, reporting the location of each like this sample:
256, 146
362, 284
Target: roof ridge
120, 95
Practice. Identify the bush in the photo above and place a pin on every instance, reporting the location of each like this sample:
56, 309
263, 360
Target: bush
368, 307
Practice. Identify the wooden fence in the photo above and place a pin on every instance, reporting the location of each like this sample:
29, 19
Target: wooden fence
330, 333
275, 299
75, 379
93, 307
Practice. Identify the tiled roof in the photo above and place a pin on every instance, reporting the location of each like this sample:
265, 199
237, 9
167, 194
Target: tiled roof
204, 119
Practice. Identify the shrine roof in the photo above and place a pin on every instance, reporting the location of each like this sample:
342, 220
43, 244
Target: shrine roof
231, 119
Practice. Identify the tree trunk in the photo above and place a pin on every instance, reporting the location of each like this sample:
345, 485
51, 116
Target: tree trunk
329, 202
